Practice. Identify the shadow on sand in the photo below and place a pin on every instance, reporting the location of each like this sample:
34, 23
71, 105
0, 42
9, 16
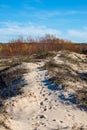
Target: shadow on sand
11, 82
70, 99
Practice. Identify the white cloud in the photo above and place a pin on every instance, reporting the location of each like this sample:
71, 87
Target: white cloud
11, 30
44, 14
77, 33
15, 29
74, 12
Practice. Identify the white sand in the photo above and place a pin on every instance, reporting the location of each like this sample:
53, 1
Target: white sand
39, 108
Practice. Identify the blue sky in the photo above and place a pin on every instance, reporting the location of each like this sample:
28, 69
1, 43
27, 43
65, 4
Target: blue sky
63, 18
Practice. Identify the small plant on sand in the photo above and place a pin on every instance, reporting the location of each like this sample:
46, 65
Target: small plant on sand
27, 59
43, 55
50, 65
82, 97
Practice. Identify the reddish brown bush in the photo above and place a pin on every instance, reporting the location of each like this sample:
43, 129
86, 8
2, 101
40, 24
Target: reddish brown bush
30, 46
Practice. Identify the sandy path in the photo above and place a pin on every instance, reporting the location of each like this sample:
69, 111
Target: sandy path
39, 108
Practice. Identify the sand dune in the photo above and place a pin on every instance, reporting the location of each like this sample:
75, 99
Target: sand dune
40, 108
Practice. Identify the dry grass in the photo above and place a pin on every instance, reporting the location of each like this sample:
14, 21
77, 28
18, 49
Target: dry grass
69, 77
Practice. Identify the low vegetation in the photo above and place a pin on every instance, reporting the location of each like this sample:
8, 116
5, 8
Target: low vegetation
82, 97
40, 46
69, 72
44, 55
68, 69
11, 82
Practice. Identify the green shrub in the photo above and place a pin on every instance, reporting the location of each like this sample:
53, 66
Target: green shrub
27, 59
43, 55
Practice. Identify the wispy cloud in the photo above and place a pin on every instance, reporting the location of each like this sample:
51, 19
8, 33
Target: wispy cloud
16, 29
77, 35
45, 14
71, 12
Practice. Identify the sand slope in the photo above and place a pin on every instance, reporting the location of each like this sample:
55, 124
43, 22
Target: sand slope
39, 108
